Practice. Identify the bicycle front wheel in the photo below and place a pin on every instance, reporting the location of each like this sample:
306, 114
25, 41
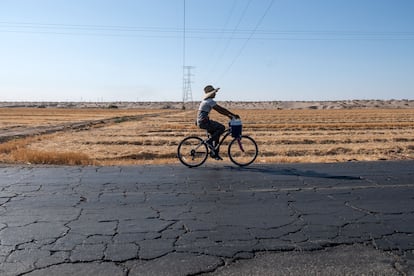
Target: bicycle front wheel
243, 150
192, 151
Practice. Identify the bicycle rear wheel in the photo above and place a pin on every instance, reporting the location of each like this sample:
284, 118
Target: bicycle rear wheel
243, 151
192, 151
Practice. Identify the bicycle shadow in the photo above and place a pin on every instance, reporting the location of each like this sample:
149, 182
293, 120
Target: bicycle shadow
296, 172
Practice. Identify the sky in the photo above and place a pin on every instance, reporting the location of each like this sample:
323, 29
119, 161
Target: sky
254, 50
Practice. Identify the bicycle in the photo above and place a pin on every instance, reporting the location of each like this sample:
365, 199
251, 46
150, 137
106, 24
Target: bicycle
242, 150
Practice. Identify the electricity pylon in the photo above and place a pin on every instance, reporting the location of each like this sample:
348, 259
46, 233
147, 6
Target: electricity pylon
187, 92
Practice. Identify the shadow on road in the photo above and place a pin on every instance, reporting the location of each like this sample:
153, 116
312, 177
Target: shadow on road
296, 172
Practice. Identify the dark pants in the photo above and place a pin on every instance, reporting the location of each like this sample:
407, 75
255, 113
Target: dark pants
214, 128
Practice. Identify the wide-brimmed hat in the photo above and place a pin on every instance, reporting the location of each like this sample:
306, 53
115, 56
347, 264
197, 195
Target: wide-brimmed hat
209, 91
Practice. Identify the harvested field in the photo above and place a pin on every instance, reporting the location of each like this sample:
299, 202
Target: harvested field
151, 136
21, 118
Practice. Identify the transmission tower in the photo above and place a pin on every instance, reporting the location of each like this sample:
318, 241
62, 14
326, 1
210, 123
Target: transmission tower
187, 92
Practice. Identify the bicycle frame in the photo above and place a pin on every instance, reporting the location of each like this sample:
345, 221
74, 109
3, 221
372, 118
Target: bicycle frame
225, 134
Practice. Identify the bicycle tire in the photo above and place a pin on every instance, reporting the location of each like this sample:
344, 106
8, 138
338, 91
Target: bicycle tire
243, 151
192, 151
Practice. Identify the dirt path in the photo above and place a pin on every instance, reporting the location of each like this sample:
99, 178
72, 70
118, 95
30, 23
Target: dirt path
22, 132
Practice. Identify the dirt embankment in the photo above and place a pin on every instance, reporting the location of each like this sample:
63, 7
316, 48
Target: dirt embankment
288, 105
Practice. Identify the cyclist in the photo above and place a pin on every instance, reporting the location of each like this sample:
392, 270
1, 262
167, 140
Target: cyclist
203, 121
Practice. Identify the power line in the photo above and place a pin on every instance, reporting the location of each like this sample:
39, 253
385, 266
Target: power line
285, 37
187, 91
236, 30
247, 40
221, 37
198, 33
184, 53
232, 34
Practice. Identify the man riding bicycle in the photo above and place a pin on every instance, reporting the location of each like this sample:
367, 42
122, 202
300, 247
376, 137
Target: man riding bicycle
215, 129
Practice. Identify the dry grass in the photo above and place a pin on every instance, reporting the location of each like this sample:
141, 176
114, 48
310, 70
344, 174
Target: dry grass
11, 146
16, 151
282, 136
55, 158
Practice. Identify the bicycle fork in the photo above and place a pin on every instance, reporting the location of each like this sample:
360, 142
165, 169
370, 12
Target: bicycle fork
240, 144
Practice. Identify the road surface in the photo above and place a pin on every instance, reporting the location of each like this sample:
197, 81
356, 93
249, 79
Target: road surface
290, 219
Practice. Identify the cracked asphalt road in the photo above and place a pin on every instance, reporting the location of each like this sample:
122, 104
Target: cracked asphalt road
171, 220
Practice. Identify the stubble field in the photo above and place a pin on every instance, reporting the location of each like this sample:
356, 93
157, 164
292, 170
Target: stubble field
151, 136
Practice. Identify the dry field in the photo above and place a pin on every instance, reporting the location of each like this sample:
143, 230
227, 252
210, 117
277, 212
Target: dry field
19, 118
150, 136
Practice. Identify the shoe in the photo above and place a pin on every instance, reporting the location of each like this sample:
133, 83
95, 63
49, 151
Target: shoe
218, 157
215, 155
